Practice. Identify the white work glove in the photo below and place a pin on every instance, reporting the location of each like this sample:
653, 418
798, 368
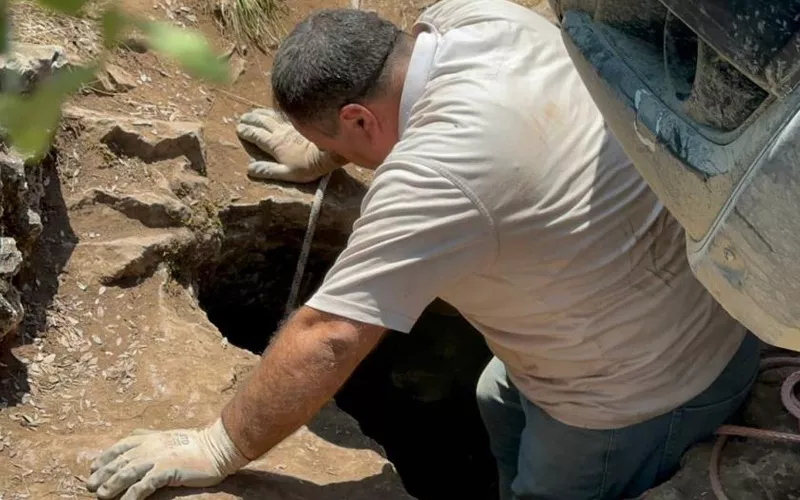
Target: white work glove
149, 460
297, 159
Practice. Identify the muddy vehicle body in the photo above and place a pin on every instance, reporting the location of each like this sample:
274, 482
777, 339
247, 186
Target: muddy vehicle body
703, 97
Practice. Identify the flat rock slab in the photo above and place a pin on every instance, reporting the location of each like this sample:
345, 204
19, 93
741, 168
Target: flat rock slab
131, 257
148, 207
149, 140
113, 79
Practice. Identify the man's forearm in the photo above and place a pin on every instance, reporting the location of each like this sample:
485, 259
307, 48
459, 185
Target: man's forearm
304, 366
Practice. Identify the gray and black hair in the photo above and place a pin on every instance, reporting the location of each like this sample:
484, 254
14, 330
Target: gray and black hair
332, 58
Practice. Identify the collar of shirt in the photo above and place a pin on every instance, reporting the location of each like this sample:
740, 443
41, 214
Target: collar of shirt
418, 70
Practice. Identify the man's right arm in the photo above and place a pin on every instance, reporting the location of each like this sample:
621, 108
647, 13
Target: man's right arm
301, 370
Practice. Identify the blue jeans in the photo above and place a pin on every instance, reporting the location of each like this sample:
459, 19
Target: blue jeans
541, 458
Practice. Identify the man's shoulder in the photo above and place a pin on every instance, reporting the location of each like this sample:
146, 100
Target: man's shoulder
468, 119
465, 151
450, 14
415, 172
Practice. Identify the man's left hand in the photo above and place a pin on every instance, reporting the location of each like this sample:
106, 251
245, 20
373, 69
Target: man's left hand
296, 158
148, 460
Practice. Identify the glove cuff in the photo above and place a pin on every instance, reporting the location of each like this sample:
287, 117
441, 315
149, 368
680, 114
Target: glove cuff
225, 455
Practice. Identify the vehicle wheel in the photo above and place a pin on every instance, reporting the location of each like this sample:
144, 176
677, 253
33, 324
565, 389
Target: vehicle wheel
708, 88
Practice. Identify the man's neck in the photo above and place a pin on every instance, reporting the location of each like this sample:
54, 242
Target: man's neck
387, 106
415, 70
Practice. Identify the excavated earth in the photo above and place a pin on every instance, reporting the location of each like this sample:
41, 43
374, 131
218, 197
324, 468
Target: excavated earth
141, 273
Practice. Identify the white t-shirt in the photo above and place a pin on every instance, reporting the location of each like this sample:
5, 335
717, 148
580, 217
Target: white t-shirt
508, 197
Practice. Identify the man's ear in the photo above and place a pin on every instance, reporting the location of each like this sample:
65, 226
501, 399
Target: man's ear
358, 118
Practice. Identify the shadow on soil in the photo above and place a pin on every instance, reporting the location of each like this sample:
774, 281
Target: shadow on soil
334, 427
39, 278
38, 281
13, 374
257, 485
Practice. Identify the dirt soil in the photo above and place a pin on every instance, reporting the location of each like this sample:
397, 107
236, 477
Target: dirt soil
110, 341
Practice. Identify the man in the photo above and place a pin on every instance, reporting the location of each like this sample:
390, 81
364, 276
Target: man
499, 189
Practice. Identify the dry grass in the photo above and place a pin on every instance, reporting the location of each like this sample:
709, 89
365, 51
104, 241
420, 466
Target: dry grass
32, 24
251, 21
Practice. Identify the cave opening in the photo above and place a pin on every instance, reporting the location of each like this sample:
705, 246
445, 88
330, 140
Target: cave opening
414, 394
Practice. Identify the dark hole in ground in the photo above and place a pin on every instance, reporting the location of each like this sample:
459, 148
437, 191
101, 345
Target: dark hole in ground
414, 394
245, 296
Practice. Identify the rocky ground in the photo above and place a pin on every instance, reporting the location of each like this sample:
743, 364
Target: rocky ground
138, 256
749, 469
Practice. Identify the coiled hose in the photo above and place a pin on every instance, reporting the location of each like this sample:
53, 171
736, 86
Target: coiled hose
790, 402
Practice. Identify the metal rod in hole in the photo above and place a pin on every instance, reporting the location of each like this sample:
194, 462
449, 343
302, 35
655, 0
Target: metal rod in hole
316, 205
294, 291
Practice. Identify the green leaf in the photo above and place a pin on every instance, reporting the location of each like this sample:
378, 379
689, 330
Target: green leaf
31, 120
188, 48
114, 24
66, 6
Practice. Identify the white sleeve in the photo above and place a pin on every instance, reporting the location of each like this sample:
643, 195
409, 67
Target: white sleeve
419, 233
